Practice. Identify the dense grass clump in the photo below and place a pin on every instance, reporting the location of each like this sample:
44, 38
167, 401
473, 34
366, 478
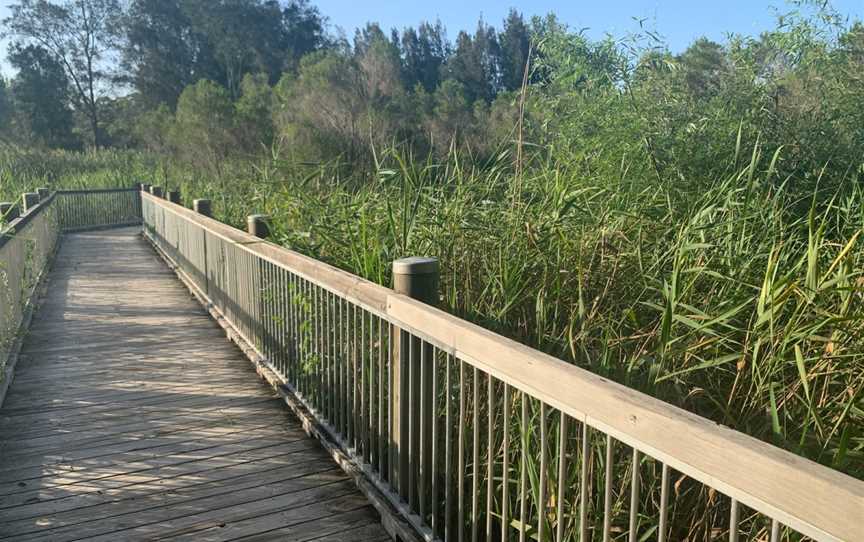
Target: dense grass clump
738, 298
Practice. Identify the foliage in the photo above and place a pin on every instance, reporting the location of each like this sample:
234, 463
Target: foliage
80, 35
171, 44
42, 115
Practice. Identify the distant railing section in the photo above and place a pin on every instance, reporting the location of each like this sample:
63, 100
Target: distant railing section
85, 209
473, 436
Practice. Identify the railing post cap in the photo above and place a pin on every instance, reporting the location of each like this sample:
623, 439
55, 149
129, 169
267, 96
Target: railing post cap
251, 218
415, 265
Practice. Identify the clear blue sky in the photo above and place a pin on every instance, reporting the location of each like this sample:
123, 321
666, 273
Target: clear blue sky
678, 21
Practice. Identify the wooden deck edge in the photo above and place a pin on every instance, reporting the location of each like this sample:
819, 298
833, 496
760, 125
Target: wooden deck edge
397, 521
33, 303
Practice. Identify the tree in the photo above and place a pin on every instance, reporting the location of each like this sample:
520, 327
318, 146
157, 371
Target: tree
451, 116
515, 42
320, 110
303, 27
41, 94
703, 65
425, 52
476, 63
204, 124
80, 35
378, 60
255, 113
162, 53
244, 36
6, 110
171, 44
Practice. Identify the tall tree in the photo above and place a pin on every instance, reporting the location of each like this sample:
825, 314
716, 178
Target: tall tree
80, 35
174, 43
245, 36
303, 27
41, 95
515, 41
703, 64
425, 51
476, 63
5, 110
163, 53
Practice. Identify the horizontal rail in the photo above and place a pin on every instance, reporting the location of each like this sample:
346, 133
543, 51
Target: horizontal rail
18, 224
483, 438
98, 191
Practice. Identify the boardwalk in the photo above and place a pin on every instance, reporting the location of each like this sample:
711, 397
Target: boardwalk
132, 418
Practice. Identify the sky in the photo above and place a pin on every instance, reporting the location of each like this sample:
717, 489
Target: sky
679, 22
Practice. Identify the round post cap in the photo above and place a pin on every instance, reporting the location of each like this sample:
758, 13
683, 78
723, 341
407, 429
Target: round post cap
415, 265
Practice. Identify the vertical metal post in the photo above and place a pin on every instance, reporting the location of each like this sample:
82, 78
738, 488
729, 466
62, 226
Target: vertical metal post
258, 225
156, 191
203, 207
415, 277
174, 197
29, 200
43, 193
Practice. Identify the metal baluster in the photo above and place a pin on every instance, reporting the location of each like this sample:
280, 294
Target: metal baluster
562, 477
634, 497
664, 505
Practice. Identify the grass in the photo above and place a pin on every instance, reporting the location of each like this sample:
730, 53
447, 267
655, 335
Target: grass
738, 298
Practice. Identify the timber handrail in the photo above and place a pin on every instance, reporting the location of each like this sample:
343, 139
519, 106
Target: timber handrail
815, 500
8, 230
270, 281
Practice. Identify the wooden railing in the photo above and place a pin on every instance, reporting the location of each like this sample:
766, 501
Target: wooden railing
472, 436
88, 209
28, 237
26, 245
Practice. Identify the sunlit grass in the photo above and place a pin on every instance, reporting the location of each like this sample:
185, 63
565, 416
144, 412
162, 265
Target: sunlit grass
737, 298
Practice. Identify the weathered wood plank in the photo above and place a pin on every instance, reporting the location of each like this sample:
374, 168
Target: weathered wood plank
132, 417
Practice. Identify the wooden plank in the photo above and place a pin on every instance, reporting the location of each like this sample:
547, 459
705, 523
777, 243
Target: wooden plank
304, 498
134, 418
354, 524
103, 518
224, 469
360, 525
161, 477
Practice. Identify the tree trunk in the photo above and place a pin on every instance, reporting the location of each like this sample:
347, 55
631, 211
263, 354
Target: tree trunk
94, 126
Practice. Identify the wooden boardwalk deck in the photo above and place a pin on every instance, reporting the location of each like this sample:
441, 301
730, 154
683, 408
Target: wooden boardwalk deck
132, 418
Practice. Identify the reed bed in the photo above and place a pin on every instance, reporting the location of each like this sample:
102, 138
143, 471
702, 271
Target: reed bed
738, 298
